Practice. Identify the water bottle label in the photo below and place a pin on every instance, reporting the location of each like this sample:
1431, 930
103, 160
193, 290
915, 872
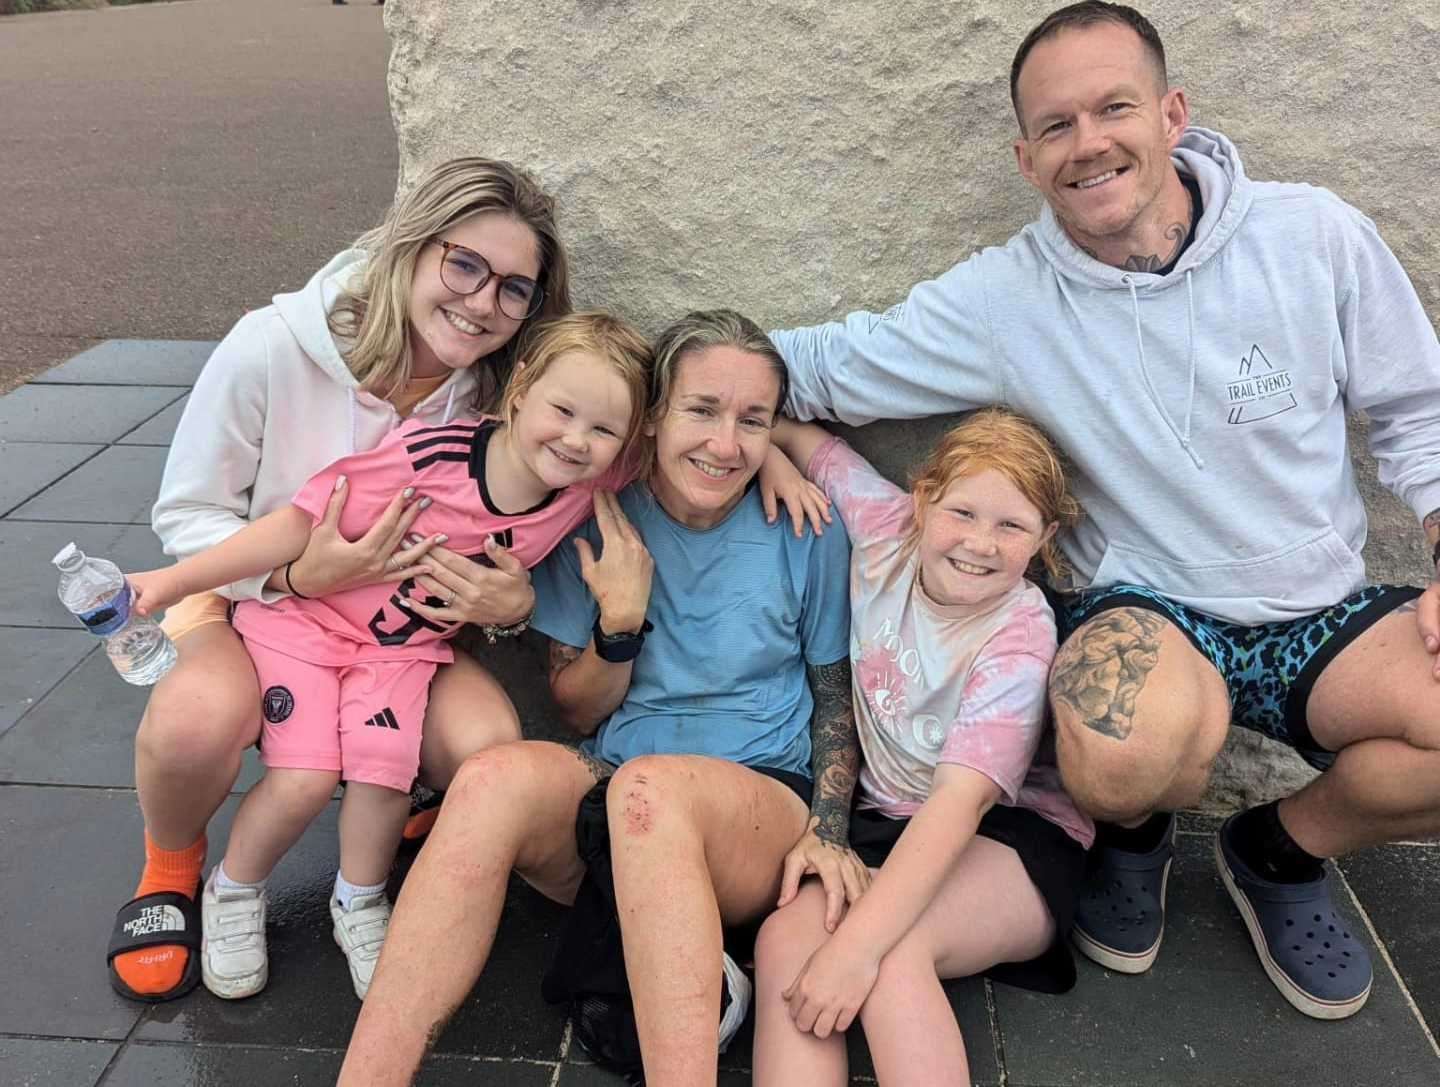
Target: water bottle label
110, 616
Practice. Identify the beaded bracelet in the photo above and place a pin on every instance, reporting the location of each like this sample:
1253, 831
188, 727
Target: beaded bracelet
514, 630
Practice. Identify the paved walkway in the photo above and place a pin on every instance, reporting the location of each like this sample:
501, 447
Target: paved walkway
81, 458
165, 167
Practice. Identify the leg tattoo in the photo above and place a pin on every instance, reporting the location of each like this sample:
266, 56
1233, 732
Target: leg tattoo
1101, 670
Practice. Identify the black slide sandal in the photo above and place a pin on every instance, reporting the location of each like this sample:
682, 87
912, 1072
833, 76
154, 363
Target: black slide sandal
160, 919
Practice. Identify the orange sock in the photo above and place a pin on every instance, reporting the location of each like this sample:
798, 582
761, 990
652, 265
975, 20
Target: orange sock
156, 970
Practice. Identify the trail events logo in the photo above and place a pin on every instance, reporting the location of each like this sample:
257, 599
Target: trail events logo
1259, 391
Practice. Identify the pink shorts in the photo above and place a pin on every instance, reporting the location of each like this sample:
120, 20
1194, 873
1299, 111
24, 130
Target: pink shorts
361, 720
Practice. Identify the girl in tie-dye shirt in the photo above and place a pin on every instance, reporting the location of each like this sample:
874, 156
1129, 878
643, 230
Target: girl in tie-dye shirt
978, 847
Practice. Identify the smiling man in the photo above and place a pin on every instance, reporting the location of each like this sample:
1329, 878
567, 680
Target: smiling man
1194, 339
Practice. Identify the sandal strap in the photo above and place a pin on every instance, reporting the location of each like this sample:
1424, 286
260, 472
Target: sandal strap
147, 921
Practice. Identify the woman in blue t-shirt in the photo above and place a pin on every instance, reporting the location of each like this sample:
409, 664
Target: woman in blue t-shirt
704, 652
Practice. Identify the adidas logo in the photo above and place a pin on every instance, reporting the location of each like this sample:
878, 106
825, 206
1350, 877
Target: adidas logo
384, 719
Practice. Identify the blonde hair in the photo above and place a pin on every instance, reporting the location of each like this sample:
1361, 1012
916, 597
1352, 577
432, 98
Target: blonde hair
374, 316
1016, 448
699, 331
591, 332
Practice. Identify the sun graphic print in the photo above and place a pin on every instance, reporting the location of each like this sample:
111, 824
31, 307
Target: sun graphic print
884, 688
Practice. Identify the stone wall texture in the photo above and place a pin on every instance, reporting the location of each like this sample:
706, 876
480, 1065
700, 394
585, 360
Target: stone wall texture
796, 160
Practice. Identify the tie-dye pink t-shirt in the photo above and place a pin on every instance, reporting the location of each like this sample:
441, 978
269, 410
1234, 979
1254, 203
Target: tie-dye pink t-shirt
935, 683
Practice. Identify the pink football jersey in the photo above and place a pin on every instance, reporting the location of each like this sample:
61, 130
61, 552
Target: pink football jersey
447, 465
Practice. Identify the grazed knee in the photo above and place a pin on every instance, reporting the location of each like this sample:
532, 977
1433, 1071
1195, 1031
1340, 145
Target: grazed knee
646, 795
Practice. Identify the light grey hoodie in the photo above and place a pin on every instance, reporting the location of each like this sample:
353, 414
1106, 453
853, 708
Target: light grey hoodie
275, 404
1204, 410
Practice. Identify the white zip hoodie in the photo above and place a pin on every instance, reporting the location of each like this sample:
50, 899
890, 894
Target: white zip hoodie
1204, 410
274, 404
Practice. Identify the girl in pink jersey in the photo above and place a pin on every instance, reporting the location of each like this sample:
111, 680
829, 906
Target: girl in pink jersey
974, 846
345, 676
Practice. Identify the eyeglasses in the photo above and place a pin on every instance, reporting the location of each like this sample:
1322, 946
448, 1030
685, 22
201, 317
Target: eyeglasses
465, 271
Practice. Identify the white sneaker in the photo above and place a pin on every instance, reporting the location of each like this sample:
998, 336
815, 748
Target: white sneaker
739, 990
233, 959
360, 932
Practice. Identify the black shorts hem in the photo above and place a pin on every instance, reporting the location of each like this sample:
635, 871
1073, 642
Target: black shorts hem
1054, 861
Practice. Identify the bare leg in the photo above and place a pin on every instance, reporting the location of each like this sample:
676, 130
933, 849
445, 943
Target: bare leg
784, 1055
468, 711
198, 723
272, 817
693, 840
1139, 716
509, 807
987, 911
1377, 705
371, 818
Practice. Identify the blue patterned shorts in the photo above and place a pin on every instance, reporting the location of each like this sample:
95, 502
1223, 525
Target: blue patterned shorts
1270, 669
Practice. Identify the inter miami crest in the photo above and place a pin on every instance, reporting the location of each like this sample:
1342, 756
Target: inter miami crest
278, 704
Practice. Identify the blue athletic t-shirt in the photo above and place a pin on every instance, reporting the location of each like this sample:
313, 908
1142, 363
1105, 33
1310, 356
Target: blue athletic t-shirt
738, 610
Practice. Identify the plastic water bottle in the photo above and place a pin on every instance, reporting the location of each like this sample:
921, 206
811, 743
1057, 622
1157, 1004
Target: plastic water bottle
96, 593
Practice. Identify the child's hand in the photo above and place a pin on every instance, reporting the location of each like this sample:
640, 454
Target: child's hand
155, 590
831, 987
781, 481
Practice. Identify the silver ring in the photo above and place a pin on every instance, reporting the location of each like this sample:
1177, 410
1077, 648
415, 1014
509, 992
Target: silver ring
450, 599
391, 565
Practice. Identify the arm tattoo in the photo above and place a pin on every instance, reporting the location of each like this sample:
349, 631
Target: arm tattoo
1100, 671
1153, 262
834, 751
561, 657
599, 767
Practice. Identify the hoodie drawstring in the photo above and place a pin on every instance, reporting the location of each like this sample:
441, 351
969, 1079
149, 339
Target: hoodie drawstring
1183, 437
354, 425
450, 400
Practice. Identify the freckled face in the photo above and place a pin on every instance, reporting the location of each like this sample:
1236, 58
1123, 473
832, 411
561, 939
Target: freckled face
714, 433
977, 540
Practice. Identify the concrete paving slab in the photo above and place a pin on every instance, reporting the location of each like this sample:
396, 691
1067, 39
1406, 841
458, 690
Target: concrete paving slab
309, 1001
133, 362
1399, 886
117, 486
27, 468
588, 1075
159, 429
35, 1062
82, 848
27, 593
83, 733
1205, 1014
35, 661
156, 1065
79, 413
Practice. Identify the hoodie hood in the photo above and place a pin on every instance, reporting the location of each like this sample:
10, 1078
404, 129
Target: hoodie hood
306, 312
1213, 162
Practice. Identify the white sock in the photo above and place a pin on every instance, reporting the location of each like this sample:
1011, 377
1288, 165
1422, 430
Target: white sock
224, 883
346, 892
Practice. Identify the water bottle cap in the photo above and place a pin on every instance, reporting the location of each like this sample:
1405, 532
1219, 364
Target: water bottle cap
68, 557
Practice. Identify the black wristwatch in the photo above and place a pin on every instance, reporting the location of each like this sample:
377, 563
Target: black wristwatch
621, 647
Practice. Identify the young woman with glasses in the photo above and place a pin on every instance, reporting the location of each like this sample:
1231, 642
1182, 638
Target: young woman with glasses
418, 320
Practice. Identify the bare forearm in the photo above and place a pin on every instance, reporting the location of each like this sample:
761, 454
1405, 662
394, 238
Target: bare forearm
586, 688
912, 875
798, 441
259, 547
1432, 527
834, 751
